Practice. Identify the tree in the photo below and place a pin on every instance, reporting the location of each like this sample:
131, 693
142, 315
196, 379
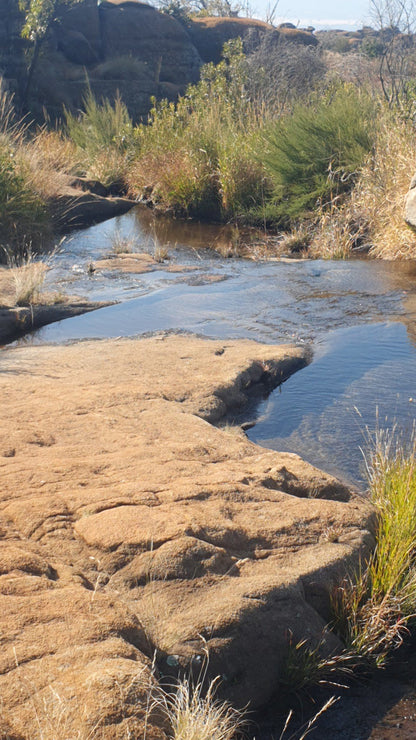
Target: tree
183, 9
39, 18
396, 22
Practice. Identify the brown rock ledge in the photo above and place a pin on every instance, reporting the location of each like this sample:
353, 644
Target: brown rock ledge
131, 527
19, 320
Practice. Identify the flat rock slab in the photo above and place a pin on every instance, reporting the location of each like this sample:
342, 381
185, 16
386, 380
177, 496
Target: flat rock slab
138, 263
133, 529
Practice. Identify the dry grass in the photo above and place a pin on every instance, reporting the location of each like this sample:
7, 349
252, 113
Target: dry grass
47, 160
308, 727
28, 277
337, 235
296, 241
378, 199
33, 171
372, 215
121, 244
194, 714
161, 252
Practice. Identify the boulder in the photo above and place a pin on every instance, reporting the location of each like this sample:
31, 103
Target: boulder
76, 210
410, 204
82, 17
132, 531
153, 37
76, 47
210, 34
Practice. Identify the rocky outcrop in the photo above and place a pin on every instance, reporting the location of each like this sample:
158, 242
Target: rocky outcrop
125, 47
132, 531
210, 34
76, 210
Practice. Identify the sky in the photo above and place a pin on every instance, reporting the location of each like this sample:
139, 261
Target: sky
347, 14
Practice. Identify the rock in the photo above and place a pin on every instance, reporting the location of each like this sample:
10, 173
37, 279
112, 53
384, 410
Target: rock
410, 204
156, 38
75, 210
210, 34
17, 321
76, 47
131, 528
82, 17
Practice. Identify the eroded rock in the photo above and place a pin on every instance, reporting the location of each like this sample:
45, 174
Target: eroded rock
132, 528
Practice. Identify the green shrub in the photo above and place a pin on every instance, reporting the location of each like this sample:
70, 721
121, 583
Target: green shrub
374, 609
315, 153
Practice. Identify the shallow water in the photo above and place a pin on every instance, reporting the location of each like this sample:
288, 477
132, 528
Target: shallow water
358, 315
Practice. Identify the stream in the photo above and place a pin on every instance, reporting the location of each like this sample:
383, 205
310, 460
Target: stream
358, 315
359, 318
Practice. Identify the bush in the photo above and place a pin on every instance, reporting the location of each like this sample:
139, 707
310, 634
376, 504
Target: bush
316, 152
281, 71
373, 609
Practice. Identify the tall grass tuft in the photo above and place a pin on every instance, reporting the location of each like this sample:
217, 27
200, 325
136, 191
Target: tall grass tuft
28, 276
378, 199
374, 609
195, 714
103, 133
33, 170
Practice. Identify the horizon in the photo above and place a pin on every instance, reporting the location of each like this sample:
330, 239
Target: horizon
347, 17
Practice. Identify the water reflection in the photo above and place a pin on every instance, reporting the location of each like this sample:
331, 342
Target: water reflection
361, 362
361, 377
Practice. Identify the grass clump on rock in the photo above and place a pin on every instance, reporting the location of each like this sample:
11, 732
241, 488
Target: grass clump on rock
375, 609
102, 134
195, 714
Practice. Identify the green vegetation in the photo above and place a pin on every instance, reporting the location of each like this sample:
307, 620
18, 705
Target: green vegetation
321, 158
375, 607
201, 152
315, 153
102, 132
22, 211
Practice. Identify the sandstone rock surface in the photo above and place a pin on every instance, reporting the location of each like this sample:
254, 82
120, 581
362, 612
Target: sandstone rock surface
133, 530
410, 204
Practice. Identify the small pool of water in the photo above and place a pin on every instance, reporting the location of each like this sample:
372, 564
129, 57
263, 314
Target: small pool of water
359, 316
362, 378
